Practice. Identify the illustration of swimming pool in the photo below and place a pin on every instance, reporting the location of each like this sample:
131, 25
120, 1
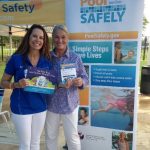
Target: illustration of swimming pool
112, 119
126, 46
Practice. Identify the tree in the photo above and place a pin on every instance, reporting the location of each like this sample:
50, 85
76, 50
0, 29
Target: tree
145, 22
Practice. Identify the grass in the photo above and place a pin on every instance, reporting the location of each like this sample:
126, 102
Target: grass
2, 67
142, 63
6, 53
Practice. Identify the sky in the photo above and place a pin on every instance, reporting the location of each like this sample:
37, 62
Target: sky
147, 15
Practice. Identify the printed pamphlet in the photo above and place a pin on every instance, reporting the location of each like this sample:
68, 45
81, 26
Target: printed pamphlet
40, 80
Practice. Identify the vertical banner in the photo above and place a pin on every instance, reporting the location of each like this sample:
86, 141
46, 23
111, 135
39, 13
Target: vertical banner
107, 36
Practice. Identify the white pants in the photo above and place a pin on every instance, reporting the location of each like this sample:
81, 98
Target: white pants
70, 130
29, 129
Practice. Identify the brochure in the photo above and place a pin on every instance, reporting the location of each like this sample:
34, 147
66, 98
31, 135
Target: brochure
39, 80
68, 71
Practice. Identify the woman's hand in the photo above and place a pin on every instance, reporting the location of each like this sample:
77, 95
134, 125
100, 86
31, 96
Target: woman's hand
68, 84
77, 82
23, 82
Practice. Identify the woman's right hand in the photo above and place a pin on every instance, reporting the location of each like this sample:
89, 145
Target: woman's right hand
68, 84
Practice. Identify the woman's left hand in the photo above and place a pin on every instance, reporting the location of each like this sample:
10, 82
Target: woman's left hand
77, 82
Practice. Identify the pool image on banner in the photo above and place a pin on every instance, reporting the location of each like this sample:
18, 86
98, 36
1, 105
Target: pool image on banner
112, 108
125, 52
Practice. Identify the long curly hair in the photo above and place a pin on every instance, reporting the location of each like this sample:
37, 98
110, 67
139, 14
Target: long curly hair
24, 45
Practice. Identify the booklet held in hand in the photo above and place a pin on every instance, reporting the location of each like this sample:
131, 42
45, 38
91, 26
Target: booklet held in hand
39, 80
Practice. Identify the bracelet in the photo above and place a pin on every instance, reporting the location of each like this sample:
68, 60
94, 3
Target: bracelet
16, 85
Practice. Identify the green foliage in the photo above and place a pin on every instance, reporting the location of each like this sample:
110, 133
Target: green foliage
2, 67
145, 22
129, 136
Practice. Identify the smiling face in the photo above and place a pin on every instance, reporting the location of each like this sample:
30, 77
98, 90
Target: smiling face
60, 39
122, 136
130, 54
36, 39
82, 113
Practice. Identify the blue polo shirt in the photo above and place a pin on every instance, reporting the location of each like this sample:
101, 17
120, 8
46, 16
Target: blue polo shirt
22, 102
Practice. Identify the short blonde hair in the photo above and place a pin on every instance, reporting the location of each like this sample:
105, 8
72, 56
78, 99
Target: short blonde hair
59, 27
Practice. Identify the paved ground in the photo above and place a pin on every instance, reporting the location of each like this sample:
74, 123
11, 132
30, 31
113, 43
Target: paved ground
7, 93
143, 133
